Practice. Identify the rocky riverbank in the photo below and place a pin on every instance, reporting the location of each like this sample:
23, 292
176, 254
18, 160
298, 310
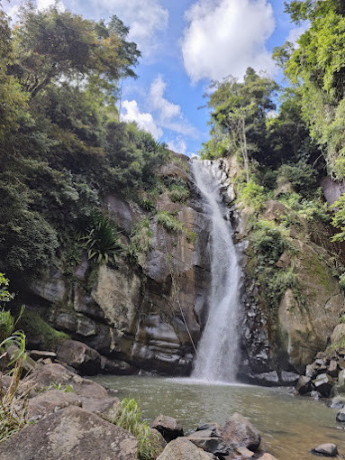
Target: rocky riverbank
70, 417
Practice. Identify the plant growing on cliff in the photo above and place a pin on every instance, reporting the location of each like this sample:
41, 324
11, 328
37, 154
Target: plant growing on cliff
169, 222
128, 418
102, 241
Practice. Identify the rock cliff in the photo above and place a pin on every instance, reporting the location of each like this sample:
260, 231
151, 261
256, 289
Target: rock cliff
146, 313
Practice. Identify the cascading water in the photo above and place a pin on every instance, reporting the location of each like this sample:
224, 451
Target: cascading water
217, 354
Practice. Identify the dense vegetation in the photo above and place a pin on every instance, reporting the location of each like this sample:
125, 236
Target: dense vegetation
63, 148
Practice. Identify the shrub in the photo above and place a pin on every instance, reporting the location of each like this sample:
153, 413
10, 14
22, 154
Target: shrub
128, 418
102, 241
253, 195
169, 222
178, 193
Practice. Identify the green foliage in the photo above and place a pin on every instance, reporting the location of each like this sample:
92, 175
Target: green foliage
140, 242
268, 241
342, 286
5, 295
302, 177
102, 241
253, 195
339, 218
178, 193
128, 418
169, 222
316, 66
58, 386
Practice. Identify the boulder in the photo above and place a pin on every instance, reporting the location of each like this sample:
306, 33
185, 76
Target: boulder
267, 456
304, 385
70, 434
239, 432
327, 450
182, 449
208, 441
168, 427
332, 369
80, 357
45, 375
107, 408
49, 402
338, 402
341, 416
323, 384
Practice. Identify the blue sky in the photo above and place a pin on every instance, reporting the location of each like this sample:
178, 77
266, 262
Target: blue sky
185, 44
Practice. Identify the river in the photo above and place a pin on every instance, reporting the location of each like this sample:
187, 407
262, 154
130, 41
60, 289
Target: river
290, 425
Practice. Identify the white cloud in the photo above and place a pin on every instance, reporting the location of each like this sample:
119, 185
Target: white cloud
145, 121
295, 34
166, 108
224, 37
169, 114
144, 17
178, 145
45, 4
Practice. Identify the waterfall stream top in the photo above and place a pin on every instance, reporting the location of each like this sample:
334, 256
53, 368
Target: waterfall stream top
217, 354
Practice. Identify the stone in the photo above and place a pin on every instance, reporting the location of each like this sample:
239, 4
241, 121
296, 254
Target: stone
44, 375
70, 434
80, 357
239, 432
267, 456
206, 440
338, 402
327, 450
245, 453
323, 384
50, 401
107, 408
182, 449
38, 354
340, 386
332, 369
304, 385
168, 427
215, 428
338, 333
340, 417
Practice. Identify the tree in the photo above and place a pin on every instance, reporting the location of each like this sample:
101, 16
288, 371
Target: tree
240, 109
52, 45
317, 69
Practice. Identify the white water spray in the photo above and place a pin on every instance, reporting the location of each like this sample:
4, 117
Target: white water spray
217, 355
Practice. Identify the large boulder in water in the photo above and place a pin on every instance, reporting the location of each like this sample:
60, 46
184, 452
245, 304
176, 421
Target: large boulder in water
168, 427
182, 449
239, 432
70, 434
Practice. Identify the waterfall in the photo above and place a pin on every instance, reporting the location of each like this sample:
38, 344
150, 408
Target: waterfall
217, 354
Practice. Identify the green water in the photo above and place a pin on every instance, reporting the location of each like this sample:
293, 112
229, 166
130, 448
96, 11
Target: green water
290, 425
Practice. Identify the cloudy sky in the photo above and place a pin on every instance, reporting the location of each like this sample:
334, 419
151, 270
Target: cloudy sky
184, 45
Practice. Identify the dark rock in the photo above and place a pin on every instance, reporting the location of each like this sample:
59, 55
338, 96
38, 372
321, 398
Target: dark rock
304, 385
332, 369
206, 440
326, 450
323, 384
168, 427
182, 449
238, 432
215, 428
70, 434
80, 357
341, 416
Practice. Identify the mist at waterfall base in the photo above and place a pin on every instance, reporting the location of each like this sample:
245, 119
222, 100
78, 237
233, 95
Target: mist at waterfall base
216, 359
